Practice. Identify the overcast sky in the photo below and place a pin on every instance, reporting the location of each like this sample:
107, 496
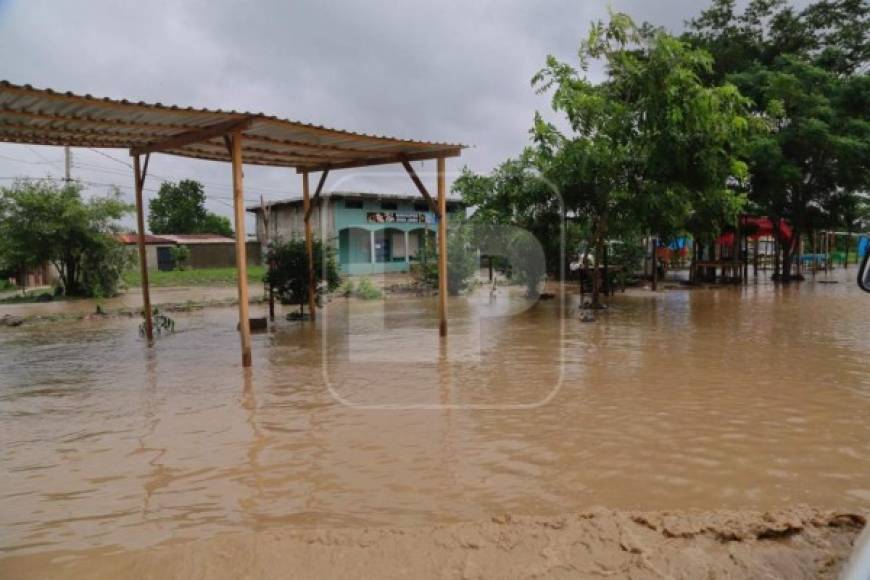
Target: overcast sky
454, 71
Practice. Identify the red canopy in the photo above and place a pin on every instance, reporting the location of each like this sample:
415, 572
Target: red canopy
761, 227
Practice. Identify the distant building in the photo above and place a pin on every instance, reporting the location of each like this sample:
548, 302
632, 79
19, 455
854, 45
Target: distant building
206, 250
43, 275
371, 232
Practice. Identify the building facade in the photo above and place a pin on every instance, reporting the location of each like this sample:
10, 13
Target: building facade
206, 250
371, 233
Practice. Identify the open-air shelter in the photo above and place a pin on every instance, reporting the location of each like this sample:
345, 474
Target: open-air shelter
35, 116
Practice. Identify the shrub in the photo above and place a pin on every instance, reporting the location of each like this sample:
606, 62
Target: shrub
102, 267
288, 271
462, 261
180, 257
366, 290
346, 289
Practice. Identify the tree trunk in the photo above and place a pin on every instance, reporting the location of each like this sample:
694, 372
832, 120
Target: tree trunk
596, 275
788, 252
72, 286
693, 261
777, 246
655, 264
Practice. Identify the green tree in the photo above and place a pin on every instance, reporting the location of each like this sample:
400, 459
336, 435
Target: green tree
216, 224
462, 262
806, 75
179, 208
288, 271
647, 144
516, 194
42, 222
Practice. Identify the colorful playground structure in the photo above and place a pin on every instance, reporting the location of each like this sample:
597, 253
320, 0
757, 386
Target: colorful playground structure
755, 241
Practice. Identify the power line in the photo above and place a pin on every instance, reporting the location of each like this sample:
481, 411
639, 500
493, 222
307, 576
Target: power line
117, 172
126, 189
38, 154
46, 162
113, 158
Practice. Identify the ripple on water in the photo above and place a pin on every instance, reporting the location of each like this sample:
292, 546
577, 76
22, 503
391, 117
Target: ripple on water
737, 398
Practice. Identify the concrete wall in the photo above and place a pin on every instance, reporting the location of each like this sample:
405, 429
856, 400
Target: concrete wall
288, 221
221, 255
204, 255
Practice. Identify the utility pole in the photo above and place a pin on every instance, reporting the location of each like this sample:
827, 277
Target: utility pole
67, 164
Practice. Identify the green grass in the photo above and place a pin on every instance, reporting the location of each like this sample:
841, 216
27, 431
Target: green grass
203, 277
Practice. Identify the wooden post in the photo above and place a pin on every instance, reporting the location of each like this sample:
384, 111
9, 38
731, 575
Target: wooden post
735, 249
309, 246
799, 249
755, 247
143, 258
241, 251
846, 251
829, 250
442, 247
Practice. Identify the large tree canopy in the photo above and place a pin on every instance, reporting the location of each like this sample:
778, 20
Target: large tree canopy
41, 222
516, 194
651, 142
805, 73
179, 208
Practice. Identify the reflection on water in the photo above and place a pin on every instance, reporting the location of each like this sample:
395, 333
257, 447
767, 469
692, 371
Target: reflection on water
751, 397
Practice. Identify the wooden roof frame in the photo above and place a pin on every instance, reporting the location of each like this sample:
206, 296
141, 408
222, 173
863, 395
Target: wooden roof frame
35, 116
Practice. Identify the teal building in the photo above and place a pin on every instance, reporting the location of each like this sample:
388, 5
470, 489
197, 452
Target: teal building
372, 233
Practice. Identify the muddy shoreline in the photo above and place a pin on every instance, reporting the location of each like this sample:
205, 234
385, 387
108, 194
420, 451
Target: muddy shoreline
795, 543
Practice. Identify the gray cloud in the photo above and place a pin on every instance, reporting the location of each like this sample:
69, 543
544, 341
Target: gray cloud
446, 71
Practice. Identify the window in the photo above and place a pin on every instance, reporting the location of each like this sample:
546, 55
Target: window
353, 204
389, 205
421, 206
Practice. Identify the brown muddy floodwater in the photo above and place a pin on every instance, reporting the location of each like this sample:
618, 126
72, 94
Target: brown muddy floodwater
749, 398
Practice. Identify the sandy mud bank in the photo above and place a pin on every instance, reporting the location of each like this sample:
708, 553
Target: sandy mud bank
599, 543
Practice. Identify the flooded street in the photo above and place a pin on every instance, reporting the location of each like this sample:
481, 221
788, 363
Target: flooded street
755, 397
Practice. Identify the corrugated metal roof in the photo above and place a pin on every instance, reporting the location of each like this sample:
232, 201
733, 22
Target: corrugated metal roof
46, 117
198, 239
133, 238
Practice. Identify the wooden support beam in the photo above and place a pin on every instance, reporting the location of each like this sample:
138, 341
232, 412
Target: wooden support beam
241, 250
316, 197
217, 130
139, 175
376, 159
309, 247
420, 187
442, 247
